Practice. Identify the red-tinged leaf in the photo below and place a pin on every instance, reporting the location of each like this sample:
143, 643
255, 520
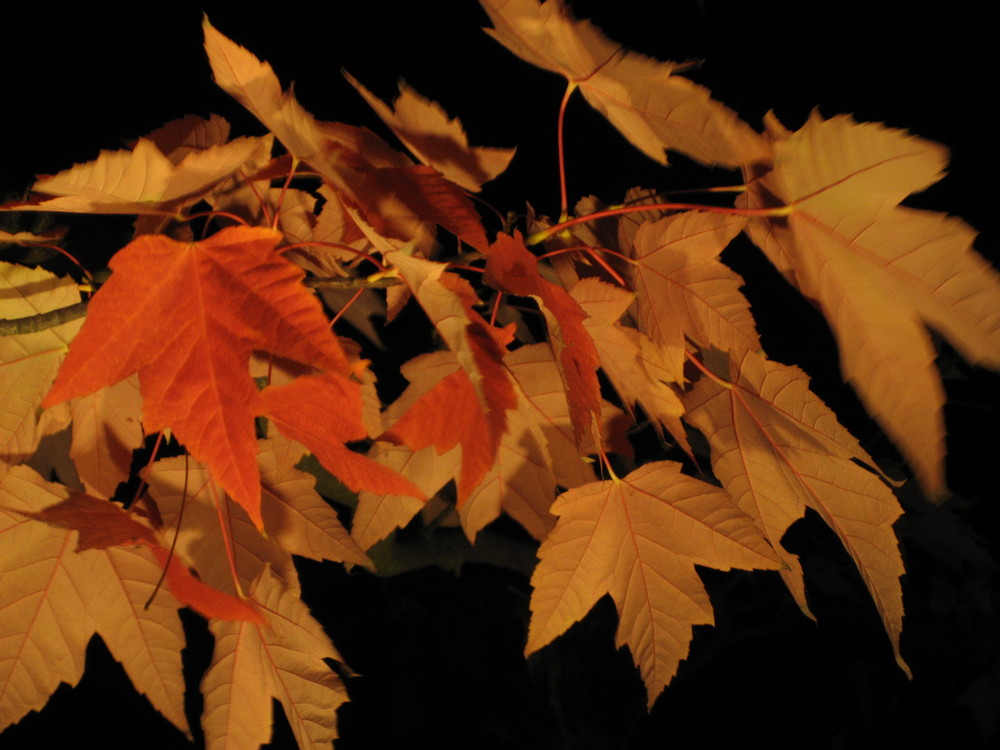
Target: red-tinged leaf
323, 412
203, 599
284, 660
186, 317
640, 96
449, 415
684, 291
101, 523
777, 448
512, 268
434, 198
377, 515
878, 271
448, 300
538, 452
639, 539
436, 139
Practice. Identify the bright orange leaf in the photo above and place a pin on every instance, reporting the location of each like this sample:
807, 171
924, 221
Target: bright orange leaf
186, 317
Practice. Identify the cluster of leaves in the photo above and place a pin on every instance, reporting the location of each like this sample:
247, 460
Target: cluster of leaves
225, 345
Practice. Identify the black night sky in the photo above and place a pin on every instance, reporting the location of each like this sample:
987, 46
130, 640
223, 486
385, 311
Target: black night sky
440, 654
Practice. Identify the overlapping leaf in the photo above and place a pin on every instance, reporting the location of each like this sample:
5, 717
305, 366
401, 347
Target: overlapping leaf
778, 449
437, 140
284, 660
395, 196
683, 291
635, 364
29, 361
296, 519
471, 409
186, 317
53, 599
510, 267
879, 271
138, 181
640, 96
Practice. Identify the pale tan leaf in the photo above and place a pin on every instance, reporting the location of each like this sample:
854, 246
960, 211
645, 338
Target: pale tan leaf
107, 427
29, 362
639, 539
435, 139
634, 363
284, 660
53, 599
778, 449
684, 291
297, 521
139, 181
640, 96
878, 271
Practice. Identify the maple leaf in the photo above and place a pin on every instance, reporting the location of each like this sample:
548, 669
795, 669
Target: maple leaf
29, 361
471, 408
639, 539
139, 181
436, 139
879, 271
777, 448
511, 267
102, 524
298, 521
537, 452
107, 427
252, 664
635, 364
323, 412
395, 196
640, 96
683, 291
186, 317
53, 599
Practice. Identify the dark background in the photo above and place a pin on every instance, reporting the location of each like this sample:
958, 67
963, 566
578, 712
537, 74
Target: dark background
440, 653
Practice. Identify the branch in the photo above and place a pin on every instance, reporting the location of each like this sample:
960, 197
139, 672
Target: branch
42, 321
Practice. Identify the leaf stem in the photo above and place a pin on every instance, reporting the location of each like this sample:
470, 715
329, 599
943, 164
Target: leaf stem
544, 234
226, 537
561, 147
